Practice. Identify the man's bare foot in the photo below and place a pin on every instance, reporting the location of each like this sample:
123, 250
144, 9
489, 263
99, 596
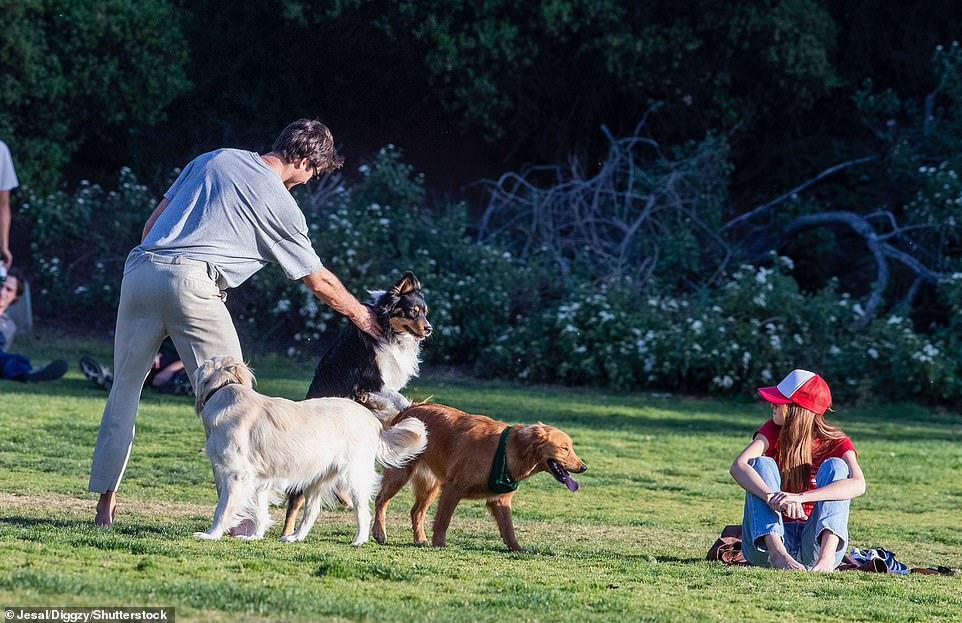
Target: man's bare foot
824, 566
785, 562
106, 506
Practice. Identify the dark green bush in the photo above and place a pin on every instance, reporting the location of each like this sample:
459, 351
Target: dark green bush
77, 71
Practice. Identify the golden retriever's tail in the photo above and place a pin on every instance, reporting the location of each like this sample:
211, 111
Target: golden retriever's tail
402, 442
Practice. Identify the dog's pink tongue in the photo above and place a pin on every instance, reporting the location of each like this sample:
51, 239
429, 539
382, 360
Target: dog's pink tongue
571, 483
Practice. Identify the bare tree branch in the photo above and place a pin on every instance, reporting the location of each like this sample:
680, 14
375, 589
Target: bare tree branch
615, 218
879, 249
777, 200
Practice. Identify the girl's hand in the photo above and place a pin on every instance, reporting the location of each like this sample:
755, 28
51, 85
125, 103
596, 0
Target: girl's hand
789, 504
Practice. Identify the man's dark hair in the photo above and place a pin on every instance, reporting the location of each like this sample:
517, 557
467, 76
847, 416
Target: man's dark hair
16, 272
311, 139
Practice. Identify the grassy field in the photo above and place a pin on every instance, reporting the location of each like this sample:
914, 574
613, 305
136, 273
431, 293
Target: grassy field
628, 546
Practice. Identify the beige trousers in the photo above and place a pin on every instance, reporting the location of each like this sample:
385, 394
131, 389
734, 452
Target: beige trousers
159, 296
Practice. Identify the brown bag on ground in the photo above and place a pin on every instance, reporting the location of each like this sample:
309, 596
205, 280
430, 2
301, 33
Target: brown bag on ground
728, 547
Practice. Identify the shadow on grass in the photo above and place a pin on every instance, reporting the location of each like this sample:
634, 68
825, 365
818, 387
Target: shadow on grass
576, 407
47, 524
682, 423
82, 388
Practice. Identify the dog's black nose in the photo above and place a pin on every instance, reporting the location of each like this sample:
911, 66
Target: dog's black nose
428, 329
584, 468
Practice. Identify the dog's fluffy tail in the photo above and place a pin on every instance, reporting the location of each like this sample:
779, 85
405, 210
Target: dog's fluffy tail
402, 442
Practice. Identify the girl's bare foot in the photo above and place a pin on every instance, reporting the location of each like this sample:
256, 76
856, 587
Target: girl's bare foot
828, 544
785, 562
824, 566
106, 506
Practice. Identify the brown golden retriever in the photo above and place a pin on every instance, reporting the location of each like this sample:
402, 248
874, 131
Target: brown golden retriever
462, 460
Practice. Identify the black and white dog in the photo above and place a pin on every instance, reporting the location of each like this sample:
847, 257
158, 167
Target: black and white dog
366, 370
373, 372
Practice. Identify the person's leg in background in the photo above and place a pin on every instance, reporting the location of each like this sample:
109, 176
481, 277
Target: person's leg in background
18, 368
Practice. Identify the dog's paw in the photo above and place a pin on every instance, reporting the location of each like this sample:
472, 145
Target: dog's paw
205, 536
522, 550
290, 538
357, 542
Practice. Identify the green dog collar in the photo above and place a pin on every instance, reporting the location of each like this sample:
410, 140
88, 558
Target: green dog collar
500, 480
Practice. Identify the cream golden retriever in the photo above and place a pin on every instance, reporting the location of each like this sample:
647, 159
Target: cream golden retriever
261, 447
473, 456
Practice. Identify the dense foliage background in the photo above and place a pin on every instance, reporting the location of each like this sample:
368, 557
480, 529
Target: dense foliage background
692, 196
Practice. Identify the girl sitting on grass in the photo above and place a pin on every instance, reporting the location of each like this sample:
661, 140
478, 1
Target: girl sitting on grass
800, 474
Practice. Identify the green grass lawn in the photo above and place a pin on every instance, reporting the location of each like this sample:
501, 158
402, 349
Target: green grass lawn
628, 546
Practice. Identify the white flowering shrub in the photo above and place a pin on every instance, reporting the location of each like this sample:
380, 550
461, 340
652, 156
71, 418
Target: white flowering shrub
519, 322
749, 332
944, 381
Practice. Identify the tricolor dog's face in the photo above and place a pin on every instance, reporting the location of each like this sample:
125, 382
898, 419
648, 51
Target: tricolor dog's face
403, 308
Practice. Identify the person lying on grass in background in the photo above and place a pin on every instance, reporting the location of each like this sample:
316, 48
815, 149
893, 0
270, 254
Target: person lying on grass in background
167, 376
800, 474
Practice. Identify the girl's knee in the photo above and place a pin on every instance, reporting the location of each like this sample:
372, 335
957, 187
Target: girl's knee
767, 469
832, 469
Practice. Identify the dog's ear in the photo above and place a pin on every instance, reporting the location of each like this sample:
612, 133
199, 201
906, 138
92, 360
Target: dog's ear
407, 284
202, 375
201, 381
534, 436
539, 431
234, 370
244, 374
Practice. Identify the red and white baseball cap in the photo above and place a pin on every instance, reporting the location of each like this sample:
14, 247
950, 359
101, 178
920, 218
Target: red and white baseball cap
806, 389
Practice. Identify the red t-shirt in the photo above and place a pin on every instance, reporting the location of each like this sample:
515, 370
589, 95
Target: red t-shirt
821, 449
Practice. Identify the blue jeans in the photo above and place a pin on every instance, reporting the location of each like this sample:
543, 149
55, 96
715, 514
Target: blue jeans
802, 539
13, 366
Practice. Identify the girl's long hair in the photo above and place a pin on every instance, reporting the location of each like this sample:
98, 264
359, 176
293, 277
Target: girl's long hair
802, 427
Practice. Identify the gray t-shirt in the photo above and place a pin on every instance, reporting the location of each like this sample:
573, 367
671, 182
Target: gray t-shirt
230, 209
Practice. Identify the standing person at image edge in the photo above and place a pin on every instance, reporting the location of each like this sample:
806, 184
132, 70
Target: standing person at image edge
228, 214
800, 474
8, 181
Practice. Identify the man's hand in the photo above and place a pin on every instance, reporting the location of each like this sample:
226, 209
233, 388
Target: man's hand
367, 322
328, 288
